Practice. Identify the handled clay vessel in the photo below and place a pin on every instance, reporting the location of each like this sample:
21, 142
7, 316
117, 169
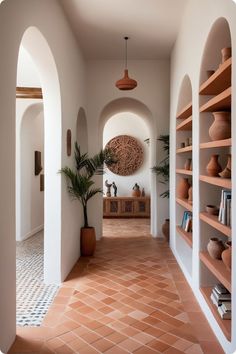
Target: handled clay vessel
221, 127
213, 167
182, 188
226, 255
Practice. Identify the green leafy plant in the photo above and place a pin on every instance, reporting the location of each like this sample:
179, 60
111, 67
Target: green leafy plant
80, 184
162, 169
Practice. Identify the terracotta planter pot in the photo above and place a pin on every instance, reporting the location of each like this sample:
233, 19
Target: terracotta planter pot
226, 255
215, 248
226, 53
87, 241
166, 229
221, 127
182, 188
226, 173
213, 167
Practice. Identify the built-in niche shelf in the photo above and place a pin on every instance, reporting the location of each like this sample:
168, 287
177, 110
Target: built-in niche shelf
225, 325
216, 144
221, 102
182, 171
219, 81
186, 112
218, 269
184, 203
212, 220
185, 125
216, 181
185, 149
187, 236
29, 92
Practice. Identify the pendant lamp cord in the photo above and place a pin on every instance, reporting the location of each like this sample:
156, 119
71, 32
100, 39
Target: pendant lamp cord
126, 39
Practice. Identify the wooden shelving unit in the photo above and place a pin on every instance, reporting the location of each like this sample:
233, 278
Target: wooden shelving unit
225, 325
216, 181
187, 236
185, 125
216, 144
29, 92
182, 171
186, 112
221, 102
185, 149
184, 203
212, 220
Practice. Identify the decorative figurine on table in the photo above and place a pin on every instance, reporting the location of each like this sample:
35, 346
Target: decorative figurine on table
108, 185
136, 190
115, 189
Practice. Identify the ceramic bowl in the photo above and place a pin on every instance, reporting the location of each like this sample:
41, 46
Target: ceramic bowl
212, 209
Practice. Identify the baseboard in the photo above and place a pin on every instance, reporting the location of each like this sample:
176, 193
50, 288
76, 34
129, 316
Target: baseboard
33, 232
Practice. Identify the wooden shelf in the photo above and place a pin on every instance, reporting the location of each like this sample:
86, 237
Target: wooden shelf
225, 325
185, 125
219, 81
217, 267
212, 220
184, 203
216, 144
185, 149
219, 102
186, 112
216, 181
184, 172
29, 92
187, 236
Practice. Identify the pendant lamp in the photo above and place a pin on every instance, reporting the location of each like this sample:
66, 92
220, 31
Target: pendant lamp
126, 83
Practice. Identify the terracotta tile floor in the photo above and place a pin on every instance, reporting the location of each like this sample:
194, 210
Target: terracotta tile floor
131, 297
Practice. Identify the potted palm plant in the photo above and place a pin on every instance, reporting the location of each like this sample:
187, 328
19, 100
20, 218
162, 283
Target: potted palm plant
81, 187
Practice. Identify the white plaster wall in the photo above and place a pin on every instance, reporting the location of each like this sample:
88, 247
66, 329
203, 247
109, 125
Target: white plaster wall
15, 18
128, 124
153, 92
27, 72
186, 58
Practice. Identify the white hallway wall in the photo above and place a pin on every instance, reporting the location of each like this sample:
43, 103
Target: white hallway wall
15, 18
186, 59
128, 124
152, 91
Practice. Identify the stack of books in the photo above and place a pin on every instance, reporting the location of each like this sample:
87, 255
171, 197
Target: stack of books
225, 207
221, 297
187, 221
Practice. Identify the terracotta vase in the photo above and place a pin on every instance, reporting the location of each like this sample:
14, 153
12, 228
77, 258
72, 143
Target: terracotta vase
182, 188
213, 167
221, 127
87, 241
190, 195
166, 229
187, 165
226, 173
225, 53
136, 191
226, 255
215, 248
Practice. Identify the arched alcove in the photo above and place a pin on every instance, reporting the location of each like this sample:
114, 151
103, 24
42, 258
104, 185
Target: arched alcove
82, 131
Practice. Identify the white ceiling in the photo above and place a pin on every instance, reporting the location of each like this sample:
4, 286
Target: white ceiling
100, 26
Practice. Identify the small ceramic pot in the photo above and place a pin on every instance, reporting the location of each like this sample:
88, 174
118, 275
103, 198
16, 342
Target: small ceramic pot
221, 127
190, 195
226, 173
213, 167
187, 165
182, 188
212, 209
226, 255
215, 248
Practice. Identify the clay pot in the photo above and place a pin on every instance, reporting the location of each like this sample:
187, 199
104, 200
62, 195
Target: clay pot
166, 229
221, 127
213, 167
182, 188
226, 255
226, 173
190, 195
212, 209
188, 164
215, 248
136, 191
226, 53
87, 241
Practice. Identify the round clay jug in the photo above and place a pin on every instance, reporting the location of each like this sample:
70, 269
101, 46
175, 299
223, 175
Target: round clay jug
136, 191
190, 195
226, 53
188, 164
215, 247
213, 167
226, 173
87, 241
226, 255
182, 188
166, 229
221, 127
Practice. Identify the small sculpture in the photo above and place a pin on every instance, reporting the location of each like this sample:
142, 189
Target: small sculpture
108, 185
136, 190
115, 188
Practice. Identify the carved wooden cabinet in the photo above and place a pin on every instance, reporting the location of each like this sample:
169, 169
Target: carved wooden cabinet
126, 207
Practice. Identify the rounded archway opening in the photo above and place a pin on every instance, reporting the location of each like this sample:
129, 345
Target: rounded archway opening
82, 131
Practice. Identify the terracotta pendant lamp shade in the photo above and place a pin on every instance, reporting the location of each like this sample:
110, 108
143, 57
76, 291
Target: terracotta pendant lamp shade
126, 83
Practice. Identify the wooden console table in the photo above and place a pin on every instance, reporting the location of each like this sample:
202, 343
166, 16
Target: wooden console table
126, 207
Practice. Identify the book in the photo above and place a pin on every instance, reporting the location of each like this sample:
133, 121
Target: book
224, 315
221, 297
221, 289
224, 212
215, 301
226, 306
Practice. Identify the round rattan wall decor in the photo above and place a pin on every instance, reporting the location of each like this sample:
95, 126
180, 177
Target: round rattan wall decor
129, 153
